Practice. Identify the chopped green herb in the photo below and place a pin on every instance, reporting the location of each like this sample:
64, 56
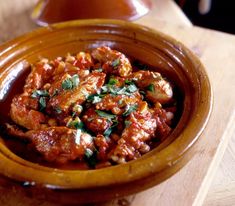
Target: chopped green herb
78, 136
96, 99
58, 110
104, 89
115, 123
75, 80
67, 84
112, 81
121, 91
40, 93
55, 93
105, 115
116, 62
91, 157
142, 92
70, 83
128, 82
132, 88
127, 123
77, 124
120, 101
88, 153
73, 114
150, 88
77, 108
42, 103
130, 109
108, 131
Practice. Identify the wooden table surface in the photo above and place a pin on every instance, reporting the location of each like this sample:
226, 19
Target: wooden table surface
190, 185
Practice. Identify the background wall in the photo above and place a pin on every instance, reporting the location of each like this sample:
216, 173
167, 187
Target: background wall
220, 17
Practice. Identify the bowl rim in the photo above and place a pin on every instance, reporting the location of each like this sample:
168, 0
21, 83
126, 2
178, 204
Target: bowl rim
131, 171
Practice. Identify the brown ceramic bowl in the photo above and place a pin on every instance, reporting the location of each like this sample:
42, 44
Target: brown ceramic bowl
172, 58
47, 12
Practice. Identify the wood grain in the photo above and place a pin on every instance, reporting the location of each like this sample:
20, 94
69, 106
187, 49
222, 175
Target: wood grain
189, 186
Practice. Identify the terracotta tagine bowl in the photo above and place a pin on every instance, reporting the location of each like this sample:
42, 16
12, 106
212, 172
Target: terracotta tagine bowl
51, 11
158, 50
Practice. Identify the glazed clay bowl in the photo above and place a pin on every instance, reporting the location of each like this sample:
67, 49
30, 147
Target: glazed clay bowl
159, 51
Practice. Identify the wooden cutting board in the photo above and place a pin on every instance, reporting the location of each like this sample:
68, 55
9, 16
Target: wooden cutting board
189, 186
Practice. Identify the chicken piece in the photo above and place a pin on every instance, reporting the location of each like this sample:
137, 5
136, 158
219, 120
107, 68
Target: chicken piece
69, 97
118, 104
140, 127
119, 93
113, 62
24, 112
39, 75
79, 64
57, 144
103, 145
158, 89
83, 60
24, 108
163, 120
95, 122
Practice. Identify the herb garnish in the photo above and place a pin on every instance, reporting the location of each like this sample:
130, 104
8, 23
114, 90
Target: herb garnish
67, 84
40, 93
130, 109
55, 93
91, 157
112, 89
151, 88
77, 124
42, 103
70, 83
105, 114
108, 131
116, 62
127, 123
110, 117
112, 81
58, 110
